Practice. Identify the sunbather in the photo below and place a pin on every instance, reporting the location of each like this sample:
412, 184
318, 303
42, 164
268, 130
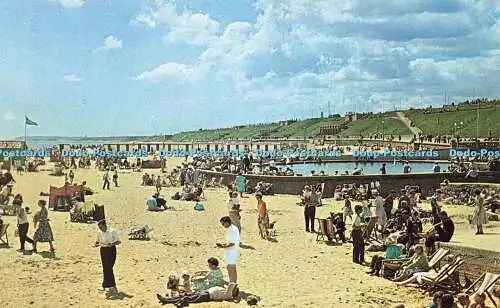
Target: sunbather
212, 294
207, 279
418, 263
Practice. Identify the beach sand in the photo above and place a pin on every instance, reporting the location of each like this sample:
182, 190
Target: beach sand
295, 271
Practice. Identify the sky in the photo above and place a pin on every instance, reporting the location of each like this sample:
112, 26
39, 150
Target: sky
144, 67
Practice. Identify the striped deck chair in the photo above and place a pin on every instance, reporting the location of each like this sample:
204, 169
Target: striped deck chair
322, 232
4, 238
434, 261
369, 232
446, 281
489, 281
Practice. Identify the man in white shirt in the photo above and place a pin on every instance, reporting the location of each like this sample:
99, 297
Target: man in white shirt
231, 247
107, 239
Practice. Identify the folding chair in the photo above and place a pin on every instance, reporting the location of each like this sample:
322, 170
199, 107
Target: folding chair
320, 236
489, 281
448, 280
4, 238
369, 232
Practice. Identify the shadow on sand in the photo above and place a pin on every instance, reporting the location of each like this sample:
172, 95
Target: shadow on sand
118, 296
244, 246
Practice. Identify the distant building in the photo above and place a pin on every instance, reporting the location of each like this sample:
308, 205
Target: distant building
354, 116
331, 130
287, 122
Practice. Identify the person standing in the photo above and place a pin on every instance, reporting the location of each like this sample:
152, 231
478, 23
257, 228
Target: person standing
347, 208
239, 183
107, 239
382, 169
43, 232
233, 207
158, 183
22, 225
231, 247
115, 178
105, 179
310, 209
263, 217
358, 242
71, 176
406, 168
480, 217
380, 211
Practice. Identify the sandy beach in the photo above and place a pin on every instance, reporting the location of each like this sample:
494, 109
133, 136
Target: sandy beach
295, 271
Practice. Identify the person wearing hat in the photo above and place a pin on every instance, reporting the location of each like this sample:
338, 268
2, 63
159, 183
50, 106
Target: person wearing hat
107, 239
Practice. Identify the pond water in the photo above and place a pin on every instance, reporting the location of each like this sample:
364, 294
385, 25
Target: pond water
368, 167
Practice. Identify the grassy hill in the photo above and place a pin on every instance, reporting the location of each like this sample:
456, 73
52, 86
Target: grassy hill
444, 122
381, 125
299, 129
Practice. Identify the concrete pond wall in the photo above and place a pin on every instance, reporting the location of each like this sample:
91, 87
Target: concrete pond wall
293, 185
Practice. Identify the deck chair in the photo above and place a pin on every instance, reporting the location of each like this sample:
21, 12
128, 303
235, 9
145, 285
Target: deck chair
140, 233
369, 232
434, 261
320, 236
489, 281
4, 238
448, 280
331, 230
417, 277
211, 183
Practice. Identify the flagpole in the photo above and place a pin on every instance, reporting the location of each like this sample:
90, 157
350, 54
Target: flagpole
25, 144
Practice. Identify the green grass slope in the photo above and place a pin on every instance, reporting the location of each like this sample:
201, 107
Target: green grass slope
375, 125
444, 123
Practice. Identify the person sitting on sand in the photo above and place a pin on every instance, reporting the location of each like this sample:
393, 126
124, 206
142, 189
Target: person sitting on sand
202, 296
418, 263
160, 202
339, 227
442, 232
208, 279
152, 205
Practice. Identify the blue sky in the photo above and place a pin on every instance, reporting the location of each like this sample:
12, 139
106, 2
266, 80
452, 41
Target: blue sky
140, 67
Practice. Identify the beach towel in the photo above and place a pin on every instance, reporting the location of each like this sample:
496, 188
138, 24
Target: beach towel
199, 207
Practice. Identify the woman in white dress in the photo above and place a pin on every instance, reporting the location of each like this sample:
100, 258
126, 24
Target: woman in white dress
480, 217
379, 210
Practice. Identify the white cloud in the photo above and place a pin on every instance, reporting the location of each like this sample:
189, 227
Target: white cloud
72, 78
186, 27
9, 116
110, 42
348, 51
70, 3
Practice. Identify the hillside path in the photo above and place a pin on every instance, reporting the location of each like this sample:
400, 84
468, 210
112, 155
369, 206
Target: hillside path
414, 130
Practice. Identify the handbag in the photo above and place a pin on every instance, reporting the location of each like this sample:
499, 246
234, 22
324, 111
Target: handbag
16, 233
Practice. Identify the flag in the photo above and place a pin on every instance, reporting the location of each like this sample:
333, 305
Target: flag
29, 122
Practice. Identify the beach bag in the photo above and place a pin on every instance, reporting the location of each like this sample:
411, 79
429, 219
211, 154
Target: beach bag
393, 251
199, 207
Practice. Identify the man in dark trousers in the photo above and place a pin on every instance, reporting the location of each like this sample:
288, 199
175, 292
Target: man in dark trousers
358, 242
310, 202
107, 239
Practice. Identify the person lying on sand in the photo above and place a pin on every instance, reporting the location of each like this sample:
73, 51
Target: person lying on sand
211, 294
